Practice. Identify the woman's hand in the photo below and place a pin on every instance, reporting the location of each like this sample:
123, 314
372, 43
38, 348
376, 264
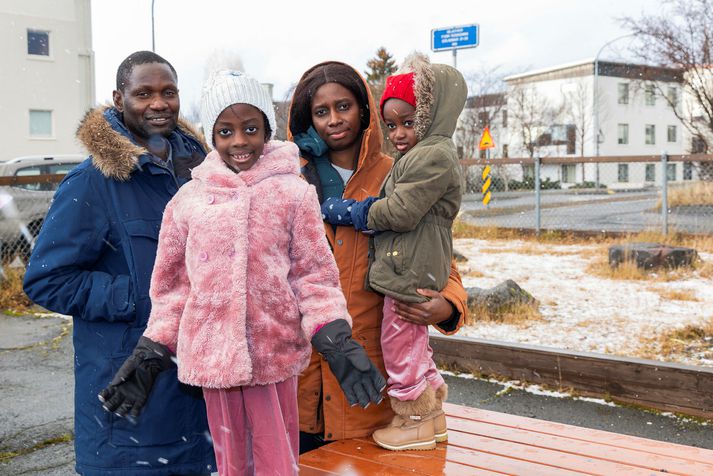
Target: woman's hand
431, 312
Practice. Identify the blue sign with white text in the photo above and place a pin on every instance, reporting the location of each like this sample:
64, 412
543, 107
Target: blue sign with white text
455, 37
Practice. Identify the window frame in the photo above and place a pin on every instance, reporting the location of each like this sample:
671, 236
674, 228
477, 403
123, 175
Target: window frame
653, 134
622, 127
622, 88
51, 135
622, 171
49, 44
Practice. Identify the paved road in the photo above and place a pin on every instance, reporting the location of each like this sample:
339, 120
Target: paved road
560, 210
36, 402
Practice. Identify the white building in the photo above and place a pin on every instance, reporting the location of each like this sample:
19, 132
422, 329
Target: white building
47, 74
554, 112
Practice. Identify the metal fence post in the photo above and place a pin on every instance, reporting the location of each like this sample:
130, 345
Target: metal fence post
664, 193
537, 195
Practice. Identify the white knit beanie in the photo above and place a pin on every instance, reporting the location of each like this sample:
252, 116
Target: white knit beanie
224, 88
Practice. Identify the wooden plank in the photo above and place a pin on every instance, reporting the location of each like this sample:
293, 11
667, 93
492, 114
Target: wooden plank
589, 435
450, 460
661, 385
567, 453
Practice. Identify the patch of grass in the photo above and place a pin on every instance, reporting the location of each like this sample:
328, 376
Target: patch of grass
695, 193
461, 229
520, 315
691, 339
677, 294
12, 297
474, 273
9, 455
628, 271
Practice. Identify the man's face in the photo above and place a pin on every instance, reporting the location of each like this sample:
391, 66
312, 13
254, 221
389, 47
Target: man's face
149, 101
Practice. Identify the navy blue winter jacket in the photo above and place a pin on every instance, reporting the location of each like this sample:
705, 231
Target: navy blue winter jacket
93, 260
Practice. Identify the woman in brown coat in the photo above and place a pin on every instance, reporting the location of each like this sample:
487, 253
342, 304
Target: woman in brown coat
334, 121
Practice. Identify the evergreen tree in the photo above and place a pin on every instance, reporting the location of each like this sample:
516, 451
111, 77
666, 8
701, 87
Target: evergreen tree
380, 66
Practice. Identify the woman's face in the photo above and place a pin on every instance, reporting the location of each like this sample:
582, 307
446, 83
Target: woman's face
336, 116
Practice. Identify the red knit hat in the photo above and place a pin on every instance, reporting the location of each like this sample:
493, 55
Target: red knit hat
399, 86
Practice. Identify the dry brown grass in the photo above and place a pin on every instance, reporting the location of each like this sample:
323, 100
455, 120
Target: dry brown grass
12, 297
520, 315
695, 193
529, 248
474, 273
691, 339
699, 242
628, 271
676, 294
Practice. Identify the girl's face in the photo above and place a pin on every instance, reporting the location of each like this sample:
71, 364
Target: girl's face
336, 116
399, 117
239, 136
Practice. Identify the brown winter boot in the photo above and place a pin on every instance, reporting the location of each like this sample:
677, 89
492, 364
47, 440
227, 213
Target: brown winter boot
413, 426
439, 421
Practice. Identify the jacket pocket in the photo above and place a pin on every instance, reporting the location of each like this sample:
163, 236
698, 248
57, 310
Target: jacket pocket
143, 242
171, 413
390, 252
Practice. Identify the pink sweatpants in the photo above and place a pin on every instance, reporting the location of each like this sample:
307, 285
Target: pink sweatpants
255, 430
407, 356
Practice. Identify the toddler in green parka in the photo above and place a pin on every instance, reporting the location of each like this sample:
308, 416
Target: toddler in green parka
411, 223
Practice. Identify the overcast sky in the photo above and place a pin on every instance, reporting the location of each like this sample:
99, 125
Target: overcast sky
278, 40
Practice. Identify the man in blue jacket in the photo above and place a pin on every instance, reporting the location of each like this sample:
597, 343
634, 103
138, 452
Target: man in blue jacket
93, 260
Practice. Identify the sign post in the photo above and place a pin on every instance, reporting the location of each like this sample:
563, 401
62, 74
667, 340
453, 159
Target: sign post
486, 143
455, 38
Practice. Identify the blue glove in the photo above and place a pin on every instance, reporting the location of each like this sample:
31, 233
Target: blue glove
347, 211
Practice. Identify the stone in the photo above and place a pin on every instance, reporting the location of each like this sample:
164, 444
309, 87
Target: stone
499, 299
652, 255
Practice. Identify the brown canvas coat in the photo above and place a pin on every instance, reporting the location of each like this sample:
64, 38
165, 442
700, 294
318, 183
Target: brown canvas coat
322, 406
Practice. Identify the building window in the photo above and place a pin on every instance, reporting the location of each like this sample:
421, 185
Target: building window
40, 123
505, 117
528, 171
623, 93
650, 134
673, 96
698, 145
623, 173
671, 172
671, 133
571, 139
569, 173
623, 134
687, 171
650, 173
38, 43
505, 151
649, 95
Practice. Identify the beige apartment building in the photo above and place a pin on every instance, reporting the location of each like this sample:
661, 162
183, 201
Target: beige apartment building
47, 75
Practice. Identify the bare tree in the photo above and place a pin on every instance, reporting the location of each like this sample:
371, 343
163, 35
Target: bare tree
486, 100
681, 37
578, 112
531, 117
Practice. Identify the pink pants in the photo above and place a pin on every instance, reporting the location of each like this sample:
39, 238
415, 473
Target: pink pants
255, 430
407, 356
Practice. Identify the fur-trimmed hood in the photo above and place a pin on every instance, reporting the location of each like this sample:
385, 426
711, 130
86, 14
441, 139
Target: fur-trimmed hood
278, 158
440, 92
114, 153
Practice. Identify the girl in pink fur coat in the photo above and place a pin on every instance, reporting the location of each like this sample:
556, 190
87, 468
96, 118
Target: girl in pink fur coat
243, 281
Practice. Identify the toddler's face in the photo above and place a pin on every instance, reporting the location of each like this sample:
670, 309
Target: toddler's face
239, 136
399, 117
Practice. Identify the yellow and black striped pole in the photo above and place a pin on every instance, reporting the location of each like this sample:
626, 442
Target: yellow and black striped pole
486, 185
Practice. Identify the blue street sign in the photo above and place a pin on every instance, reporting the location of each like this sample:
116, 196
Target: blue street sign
455, 37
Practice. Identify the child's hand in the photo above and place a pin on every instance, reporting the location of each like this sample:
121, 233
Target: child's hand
338, 211
347, 211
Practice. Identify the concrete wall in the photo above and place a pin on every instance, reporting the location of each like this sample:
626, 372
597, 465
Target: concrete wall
62, 82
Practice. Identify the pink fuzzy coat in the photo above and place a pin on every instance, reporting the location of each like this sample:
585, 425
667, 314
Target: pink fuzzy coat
244, 274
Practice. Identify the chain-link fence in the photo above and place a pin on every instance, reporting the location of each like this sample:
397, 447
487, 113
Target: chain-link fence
592, 194
24, 201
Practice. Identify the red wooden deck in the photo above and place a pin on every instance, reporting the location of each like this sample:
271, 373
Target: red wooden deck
491, 443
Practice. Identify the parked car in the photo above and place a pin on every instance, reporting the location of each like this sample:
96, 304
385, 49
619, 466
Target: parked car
23, 206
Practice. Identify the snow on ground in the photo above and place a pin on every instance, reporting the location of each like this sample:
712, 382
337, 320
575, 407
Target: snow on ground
581, 311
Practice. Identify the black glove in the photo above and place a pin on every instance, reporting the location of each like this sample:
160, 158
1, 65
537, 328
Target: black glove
128, 391
361, 382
